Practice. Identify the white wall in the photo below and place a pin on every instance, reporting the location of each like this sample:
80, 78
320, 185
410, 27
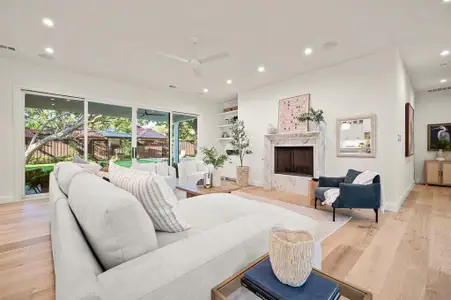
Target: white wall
37, 77
430, 108
363, 86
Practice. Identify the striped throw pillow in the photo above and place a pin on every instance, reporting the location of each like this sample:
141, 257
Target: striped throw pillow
155, 195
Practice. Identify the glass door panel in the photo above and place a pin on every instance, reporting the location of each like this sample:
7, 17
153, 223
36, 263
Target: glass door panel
109, 134
184, 135
152, 136
53, 133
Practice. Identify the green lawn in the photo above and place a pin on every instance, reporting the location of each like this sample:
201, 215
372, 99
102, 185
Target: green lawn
123, 163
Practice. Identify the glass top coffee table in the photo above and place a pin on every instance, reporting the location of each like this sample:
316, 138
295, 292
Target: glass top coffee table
231, 289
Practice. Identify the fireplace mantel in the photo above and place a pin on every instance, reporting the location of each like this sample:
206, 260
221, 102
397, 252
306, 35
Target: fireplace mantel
289, 183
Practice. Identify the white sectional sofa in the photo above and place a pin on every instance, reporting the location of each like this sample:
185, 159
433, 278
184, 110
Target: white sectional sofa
227, 233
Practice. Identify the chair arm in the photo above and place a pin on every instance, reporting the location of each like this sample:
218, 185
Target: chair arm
330, 181
172, 172
359, 195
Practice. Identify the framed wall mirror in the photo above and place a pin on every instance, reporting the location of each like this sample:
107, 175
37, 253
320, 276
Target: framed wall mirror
356, 136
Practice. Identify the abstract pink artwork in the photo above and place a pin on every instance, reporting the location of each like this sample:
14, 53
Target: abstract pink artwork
289, 110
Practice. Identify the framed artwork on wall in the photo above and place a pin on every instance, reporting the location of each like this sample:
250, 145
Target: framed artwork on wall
439, 136
289, 110
409, 124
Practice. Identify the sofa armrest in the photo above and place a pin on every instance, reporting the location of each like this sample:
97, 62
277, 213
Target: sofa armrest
360, 196
330, 181
172, 172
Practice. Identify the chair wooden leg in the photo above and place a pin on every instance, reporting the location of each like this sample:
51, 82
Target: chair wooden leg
377, 215
333, 215
315, 202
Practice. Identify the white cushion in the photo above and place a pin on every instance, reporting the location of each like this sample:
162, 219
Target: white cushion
113, 221
65, 172
114, 168
155, 195
90, 166
162, 169
190, 167
150, 167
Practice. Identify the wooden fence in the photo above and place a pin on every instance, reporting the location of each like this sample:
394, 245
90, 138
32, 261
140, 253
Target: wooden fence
98, 150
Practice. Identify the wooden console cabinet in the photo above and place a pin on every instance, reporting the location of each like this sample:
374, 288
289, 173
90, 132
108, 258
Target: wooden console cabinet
437, 172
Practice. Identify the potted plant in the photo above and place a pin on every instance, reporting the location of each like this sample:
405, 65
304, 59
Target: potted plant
441, 145
215, 159
314, 117
240, 142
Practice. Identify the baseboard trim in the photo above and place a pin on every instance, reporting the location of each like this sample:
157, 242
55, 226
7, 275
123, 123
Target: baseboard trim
395, 207
6, 199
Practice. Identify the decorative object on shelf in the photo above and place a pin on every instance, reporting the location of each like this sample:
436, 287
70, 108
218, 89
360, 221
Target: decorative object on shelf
440, 155
314, 118
289, 110
231, 152
356, 136
439, 137
409, 124
271, 129
291, 255
207, 181
234, 119
240, 142
233, 108
225, 135
215, 159
227, 121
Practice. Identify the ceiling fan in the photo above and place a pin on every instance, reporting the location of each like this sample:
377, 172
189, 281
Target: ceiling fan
151, 113
196, 63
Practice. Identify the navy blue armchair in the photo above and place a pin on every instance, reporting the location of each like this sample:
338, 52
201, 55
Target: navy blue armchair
351, 195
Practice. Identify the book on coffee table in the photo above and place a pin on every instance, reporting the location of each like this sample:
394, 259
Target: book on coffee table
262, 281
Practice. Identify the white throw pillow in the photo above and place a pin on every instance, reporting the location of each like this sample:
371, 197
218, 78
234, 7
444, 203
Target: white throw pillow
115, 224
64, 173
149, 167
156, 196
90, 166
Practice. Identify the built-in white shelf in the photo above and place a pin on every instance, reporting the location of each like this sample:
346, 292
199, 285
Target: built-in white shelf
225, 126
232, 112
225, 139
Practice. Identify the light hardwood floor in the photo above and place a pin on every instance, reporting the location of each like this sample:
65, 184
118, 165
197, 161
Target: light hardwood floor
406, 256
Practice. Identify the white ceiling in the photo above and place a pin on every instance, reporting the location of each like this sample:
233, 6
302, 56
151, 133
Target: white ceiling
119, 39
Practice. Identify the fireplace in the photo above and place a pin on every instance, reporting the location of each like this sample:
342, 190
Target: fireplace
294, 161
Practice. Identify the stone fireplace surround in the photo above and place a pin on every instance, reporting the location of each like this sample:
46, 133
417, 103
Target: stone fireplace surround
289, 183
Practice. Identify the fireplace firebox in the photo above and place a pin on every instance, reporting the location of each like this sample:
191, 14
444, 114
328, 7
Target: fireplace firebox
294, 161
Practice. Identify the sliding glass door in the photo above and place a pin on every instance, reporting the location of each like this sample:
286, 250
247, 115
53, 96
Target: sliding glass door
152, 136
184, 136
53, 127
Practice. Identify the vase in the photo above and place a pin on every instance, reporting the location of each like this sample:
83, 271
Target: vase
216, 174
440, 155
313, 126
291, 255
242, 176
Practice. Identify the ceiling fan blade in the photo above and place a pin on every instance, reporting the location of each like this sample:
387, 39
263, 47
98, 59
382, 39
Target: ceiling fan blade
167, 55
214, 57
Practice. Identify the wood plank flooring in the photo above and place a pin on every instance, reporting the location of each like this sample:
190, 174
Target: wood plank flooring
406, 256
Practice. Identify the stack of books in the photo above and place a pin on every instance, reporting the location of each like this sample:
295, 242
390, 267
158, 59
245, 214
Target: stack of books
261, 281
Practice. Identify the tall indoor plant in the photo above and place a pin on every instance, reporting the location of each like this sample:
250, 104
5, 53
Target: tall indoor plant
241, 143
314, 117
213, 158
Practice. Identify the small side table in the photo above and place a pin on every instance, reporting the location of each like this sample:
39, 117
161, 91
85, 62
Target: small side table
313, 184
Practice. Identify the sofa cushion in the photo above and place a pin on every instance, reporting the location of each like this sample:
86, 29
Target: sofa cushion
149, 167
64, 173
162, 169
113, 221
90, 166
351, 175
79, 160
155, 195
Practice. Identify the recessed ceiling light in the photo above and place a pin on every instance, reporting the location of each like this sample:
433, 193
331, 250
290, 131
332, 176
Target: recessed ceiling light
47, 22
53, 103
229, 81
68, 100
443, 81
261, 69
308, 51
49, 50
205, 90
444, 53
51, 99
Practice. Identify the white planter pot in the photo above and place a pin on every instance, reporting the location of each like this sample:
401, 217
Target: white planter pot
216, 177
